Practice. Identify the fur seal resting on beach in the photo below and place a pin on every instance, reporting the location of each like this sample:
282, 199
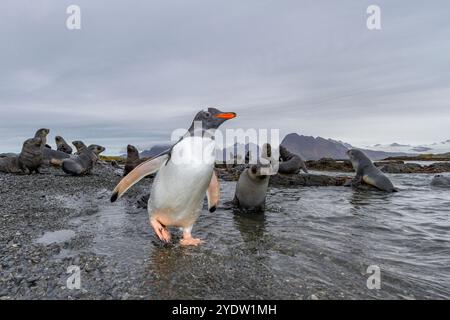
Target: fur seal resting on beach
79, 145
251, 188
62, 145
28, 161
83, 163
368, 173
133, 159
441, 181
291, 163
54, 157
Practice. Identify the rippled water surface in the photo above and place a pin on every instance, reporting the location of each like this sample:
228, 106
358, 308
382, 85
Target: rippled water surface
310, 241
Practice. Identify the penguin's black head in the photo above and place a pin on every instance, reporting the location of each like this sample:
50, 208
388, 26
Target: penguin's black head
212, 118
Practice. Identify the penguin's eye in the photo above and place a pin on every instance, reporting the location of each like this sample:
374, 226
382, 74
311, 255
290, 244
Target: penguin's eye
207, 114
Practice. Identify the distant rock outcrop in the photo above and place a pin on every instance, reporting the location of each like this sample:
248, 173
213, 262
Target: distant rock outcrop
310, 148
155, 150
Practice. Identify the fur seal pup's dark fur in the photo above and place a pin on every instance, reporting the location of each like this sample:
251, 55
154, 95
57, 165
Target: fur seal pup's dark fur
290, 163
368, 173
133, 159
62, 145
30, 158
83, 163
42, 133
54, 157
79, 145
28, 161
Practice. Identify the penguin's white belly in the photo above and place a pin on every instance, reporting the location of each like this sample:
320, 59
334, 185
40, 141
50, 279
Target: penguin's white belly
180, 186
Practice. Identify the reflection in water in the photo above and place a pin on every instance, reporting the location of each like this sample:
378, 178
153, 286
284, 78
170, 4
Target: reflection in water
309, 241
251, 226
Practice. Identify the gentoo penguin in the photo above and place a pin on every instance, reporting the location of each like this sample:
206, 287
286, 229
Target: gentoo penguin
185, 174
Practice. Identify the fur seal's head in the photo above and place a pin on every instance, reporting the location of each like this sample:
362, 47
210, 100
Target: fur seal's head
32, 145
132, 152
33, 142
79, 145
284, 152
358, 158
42, 133
96, 149
59, 140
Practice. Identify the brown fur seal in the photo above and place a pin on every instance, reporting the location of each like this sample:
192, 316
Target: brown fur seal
79, 145
368, 173
62, 145
54, 157
28, 161
290, 163
83, 163
42, 133
133, 159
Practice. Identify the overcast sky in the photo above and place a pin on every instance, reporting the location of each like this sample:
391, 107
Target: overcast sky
139, 69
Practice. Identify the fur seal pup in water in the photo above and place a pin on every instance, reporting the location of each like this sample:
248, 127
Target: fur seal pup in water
83, 163
290, 163
62, 145
185, 174
28, 161
368, 173
251, 188
133, 159
79, 145
441, 181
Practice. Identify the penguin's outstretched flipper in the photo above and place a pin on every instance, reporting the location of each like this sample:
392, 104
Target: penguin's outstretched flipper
213, 193
144, 169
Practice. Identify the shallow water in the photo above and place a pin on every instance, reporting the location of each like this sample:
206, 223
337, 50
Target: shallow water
313, 240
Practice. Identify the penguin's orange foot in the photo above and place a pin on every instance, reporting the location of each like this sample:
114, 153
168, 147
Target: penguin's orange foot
190, 242
160, 230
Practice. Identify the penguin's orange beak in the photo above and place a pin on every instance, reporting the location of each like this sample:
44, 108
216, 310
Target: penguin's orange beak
226, 115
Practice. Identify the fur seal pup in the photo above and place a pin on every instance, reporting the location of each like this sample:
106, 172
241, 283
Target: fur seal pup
10, 164
62, 145
368, 173
54, 157
42, 133
79, 145
290, 163
29, 160
251, 188
441, 181
133, 159
185, 175
83, 163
